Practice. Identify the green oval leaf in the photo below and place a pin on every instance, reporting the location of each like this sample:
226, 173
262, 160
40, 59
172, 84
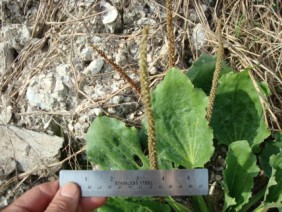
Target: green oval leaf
183, 134
112, 145
237, 113
201, 72
238, 176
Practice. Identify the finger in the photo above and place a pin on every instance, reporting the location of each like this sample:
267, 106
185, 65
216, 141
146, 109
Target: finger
66, 199
36, 199
90, 203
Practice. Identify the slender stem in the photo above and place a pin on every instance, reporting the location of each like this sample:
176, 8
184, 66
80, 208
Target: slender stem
216, 72
146, 98
169, 29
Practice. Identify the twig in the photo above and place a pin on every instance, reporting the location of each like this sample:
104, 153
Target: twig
118, 69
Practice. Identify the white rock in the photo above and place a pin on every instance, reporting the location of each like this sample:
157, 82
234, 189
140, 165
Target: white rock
146, 21
112, 110
63, 74
86, 54
100, 90
127, 99
116, 76
47, 91
6, 56
82, 119
117, 99
111, 13
199, 36
193, 15
121, 58
16, 35
96, 39
6, 115
95, 111
115, 86
153, 70
29, 149
131, 116
39, 92
218, 177
94, 67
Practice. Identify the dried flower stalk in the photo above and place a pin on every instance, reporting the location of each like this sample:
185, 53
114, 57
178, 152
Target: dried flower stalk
169, 28
216, 72
117, 69
146, 98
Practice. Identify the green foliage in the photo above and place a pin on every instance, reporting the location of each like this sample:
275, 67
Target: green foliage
133, 205
238, 177
185, 139
271, 148
180, 120
238, 114
201, 72
112, 145
273, 195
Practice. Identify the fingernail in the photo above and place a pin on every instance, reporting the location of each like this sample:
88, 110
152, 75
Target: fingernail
70, 190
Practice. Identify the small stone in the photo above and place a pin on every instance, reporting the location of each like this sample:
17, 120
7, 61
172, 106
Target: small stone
121, 58
218, 177
127, 99
83, 119
112, 110
95, 111
100, 90
7, 57
146, 21
116, 76
111, 13
96, 39
94, 67
6, 114
117, 99
199, 36
114, 87
153, 70
131, 116
39, 92
86, 54
16, 35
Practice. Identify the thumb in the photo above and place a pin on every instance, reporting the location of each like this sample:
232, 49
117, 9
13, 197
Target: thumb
66, 199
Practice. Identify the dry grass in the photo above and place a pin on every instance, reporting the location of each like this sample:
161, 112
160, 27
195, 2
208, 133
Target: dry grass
252, 38
252, 35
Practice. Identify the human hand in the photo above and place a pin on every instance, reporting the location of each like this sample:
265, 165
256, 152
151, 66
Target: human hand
49, 197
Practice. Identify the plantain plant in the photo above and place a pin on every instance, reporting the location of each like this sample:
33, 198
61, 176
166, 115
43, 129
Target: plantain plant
188, 116
185, 138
